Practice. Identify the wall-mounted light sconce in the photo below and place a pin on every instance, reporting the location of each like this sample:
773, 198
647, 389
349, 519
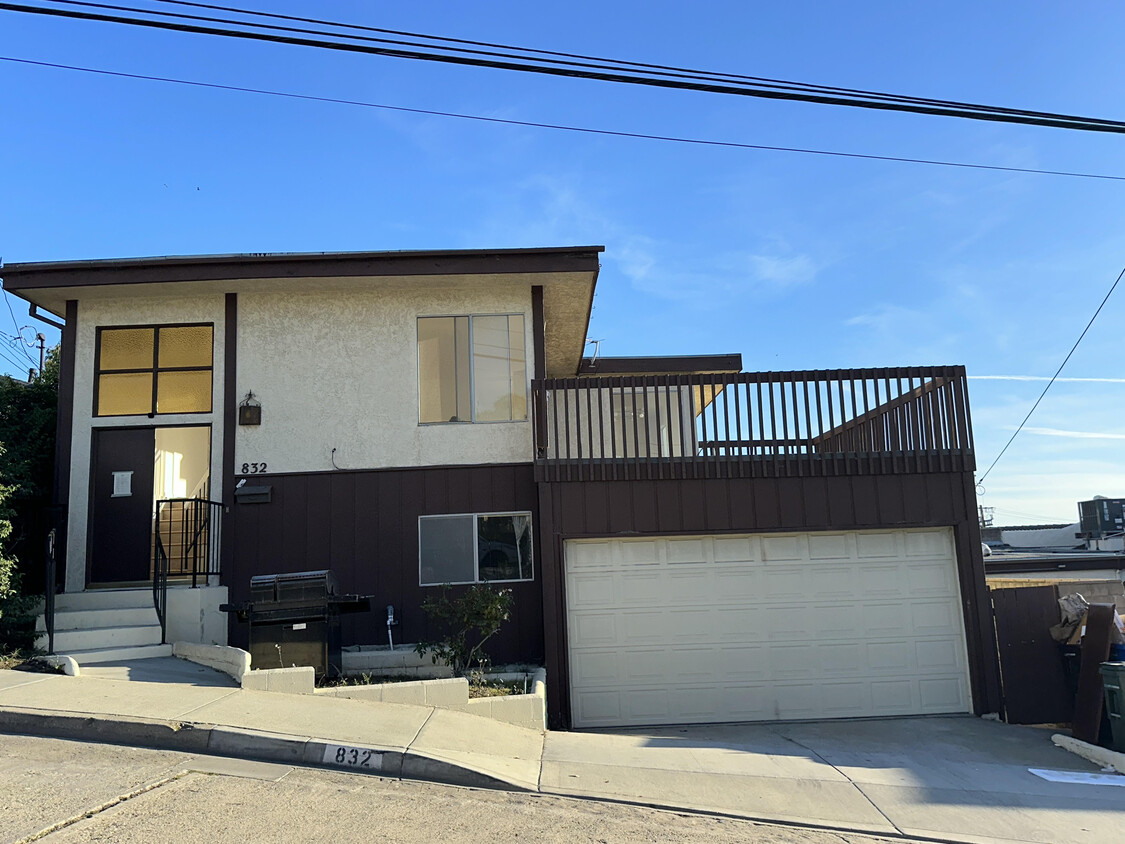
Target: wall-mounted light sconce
250, 411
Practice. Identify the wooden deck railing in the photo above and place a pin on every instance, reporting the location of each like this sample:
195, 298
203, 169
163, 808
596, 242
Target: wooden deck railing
753, 424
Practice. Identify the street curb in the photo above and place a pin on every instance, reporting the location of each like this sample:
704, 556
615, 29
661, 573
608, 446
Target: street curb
238, 743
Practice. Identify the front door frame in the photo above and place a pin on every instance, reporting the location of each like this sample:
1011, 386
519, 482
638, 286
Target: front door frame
94, 432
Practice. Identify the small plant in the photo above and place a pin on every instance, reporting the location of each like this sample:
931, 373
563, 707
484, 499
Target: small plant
468, 621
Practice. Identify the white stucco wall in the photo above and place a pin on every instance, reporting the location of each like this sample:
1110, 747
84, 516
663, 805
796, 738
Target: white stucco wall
339, 369
131, 311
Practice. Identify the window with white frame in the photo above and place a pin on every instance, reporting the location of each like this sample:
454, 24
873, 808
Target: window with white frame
474, 548
472, 368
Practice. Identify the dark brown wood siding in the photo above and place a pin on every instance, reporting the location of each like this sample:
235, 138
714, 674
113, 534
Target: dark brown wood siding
758, 505
363, 525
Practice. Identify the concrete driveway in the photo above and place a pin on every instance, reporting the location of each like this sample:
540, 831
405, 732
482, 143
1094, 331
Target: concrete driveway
953, 778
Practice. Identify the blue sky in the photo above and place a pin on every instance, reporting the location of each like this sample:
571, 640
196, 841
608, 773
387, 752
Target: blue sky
796, 261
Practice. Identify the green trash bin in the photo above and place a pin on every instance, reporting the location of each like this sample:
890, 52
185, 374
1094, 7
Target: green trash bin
1113, 680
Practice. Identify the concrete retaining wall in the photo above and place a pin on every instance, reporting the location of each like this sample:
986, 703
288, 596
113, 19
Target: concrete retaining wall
232, 661
193, 615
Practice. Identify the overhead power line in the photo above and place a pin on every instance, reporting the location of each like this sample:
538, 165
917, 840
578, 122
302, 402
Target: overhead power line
1056, 375
568, 128
542, 62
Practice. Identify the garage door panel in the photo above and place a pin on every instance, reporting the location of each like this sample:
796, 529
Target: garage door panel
869, 545
584, 555
601, 708
929, 543
837, 583
592, 629
831, 546
691, 587
686, 551
643, 665
885, 619
646, 705
640, 588
591, 669
697, 703
739, 549
745, 663
749, 703
895, 697
780, 583
929, 577
937, 654
893, 657
928, 618
736, 585
639, 553
880, 580
595, 591
693, 665
642, 627
704, 629
940, 694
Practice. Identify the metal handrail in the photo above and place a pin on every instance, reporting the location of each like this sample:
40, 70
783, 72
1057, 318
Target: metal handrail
49, 589
193, 526
160, 587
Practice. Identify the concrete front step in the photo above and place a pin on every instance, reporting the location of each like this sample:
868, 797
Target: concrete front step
103, 599
101, 638
91, 619
98, 655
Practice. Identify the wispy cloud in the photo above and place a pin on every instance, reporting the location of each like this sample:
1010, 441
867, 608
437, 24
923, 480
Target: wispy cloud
1075, 435
1046, 378
783, 271
885, 316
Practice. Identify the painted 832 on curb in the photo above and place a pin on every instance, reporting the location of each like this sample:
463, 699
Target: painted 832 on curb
344, 756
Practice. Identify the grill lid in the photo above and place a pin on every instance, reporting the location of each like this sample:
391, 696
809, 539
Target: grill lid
300, 586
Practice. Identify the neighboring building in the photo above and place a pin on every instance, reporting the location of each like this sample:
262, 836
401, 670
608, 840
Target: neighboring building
686, 542
1020, 537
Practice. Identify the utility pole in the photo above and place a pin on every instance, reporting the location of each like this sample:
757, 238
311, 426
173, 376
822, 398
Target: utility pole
42, 351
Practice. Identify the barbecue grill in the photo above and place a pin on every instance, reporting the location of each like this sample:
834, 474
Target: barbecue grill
295, 620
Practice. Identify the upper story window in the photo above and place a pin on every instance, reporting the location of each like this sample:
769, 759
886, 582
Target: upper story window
153, 369
472, 369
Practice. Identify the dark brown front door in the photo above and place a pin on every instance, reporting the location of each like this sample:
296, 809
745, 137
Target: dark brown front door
121, 509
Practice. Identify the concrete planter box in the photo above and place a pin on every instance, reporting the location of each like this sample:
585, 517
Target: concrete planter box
381, 661
527, 710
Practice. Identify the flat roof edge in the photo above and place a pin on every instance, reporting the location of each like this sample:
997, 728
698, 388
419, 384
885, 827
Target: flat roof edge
30, 275
662, 364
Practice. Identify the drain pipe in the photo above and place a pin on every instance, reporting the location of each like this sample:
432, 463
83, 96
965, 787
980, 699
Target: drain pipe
390, 622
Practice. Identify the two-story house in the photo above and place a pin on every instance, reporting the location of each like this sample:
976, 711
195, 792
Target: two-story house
685, 541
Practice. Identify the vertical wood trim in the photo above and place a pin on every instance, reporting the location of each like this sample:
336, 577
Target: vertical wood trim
64, 432
538, 329
539, 369
230, 427
980, 632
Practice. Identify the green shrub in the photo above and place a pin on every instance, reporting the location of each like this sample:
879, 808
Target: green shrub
467, 621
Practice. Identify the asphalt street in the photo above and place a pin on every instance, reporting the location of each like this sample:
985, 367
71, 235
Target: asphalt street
64, 791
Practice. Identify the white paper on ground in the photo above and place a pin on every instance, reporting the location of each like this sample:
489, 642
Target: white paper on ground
1078, 777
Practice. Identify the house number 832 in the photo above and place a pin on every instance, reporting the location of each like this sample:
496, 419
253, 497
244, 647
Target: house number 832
253, 468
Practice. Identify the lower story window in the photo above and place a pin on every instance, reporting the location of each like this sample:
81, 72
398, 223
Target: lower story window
474, 548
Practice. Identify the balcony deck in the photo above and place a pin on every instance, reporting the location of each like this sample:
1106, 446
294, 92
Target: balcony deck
753, 424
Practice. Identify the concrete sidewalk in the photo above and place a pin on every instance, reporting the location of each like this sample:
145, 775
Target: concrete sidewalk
177, 705
949, 779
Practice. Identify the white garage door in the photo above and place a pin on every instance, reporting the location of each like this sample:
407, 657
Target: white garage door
676, 630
